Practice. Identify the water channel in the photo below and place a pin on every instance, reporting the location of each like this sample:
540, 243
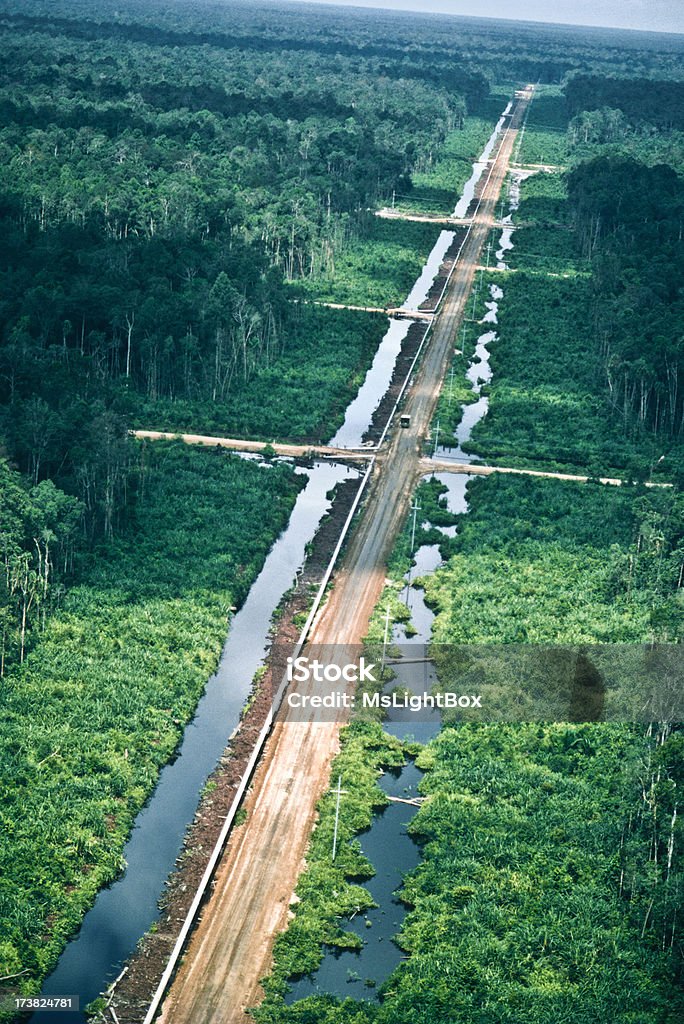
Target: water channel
360, 411
379, 377
478, 169
123, 912
387, 843
421, 289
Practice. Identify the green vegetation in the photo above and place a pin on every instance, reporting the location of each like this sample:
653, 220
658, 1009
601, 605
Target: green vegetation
547, 242
637, 308
660, 103
543, 199
518, 911
329, 892
378, 268
535, 897
112, 677
547, 397
436, 188
529, 548
165, 183
456, 392
38, 531
544, 138
549, 250
178, 185
587, 365
546, 888
302, 396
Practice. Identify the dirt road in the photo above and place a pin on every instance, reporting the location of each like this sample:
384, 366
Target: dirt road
393, 311
296, 451
438, 465
230, 949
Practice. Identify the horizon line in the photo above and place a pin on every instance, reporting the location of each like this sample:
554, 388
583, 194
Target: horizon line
408, 12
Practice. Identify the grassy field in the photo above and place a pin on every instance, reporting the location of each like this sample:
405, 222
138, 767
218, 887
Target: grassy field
544, 140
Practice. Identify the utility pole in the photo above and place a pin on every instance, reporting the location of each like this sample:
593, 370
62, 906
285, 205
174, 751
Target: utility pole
416, 508
451, 386
436, 439
339, 792
489, 252
394, 197
384, 642
476, 292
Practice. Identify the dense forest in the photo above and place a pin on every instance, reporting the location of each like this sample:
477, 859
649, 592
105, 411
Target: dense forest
181, 186
155, 209
636, 253
598, 255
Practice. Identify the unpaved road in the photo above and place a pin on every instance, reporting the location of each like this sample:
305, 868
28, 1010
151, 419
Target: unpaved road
394, 311
438, 465
230, 949
296, 451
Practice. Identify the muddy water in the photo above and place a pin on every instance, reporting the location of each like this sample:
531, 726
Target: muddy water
479, 373
123, 912
506, 241
348, 973
387, 843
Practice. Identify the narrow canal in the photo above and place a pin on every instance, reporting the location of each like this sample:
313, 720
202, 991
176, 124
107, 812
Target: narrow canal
124, 912
387, 844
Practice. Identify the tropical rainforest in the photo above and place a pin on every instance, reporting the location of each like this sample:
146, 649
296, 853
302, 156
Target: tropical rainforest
186, 189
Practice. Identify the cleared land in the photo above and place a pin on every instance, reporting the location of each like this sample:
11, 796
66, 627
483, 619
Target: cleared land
231, 947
